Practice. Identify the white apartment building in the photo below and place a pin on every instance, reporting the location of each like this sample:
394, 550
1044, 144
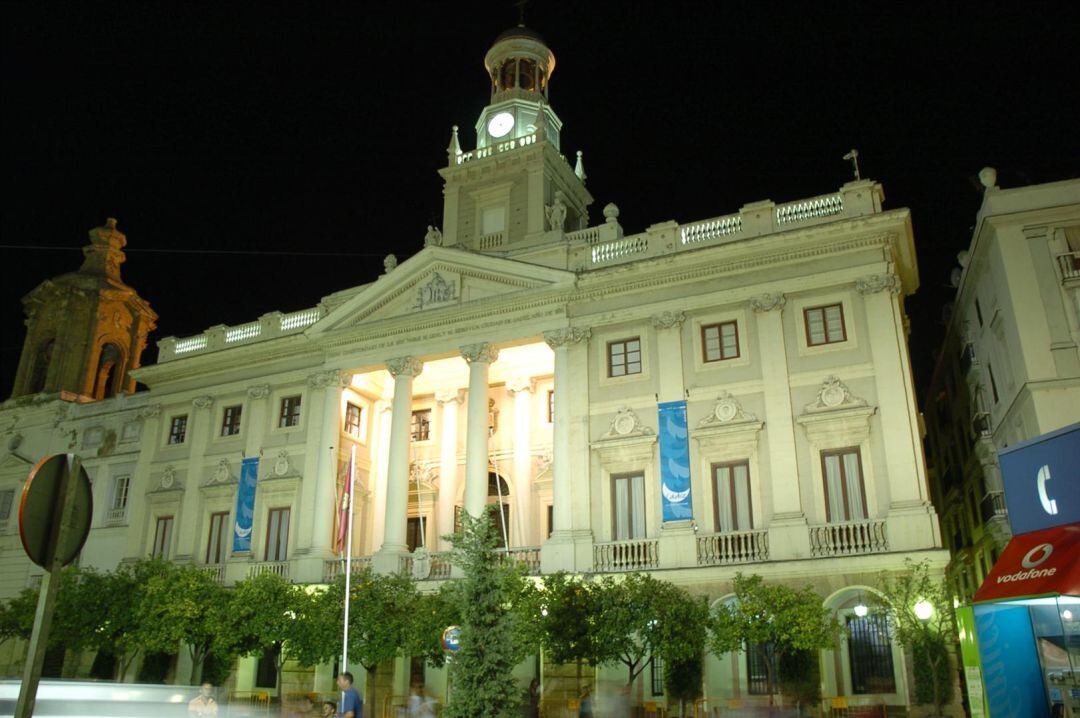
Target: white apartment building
518, 364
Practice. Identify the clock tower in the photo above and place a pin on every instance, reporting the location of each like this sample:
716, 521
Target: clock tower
516, 190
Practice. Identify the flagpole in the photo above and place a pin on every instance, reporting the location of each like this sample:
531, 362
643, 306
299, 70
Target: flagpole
348, 563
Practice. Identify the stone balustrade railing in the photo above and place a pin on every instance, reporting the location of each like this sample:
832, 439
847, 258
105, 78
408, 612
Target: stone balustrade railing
216, 572
498, 148
116, 517
633, 555
602, 246
732, 547
528, 555
268, 326
1070, 266
281, 568
334, 567
848, 539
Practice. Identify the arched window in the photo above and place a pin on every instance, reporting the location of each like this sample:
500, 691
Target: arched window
39, 371
110, 371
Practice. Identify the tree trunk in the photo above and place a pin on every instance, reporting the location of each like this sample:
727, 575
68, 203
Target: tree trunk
372, 707
197, 658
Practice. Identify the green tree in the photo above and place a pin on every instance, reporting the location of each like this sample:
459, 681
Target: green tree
17, 615
184, 605
779, 618
683, 678
99, 610
491, 598
267, 613
927, 638
566, 621
639, 617
432, 615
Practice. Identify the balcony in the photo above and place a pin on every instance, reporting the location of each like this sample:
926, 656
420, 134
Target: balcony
848, 539
634, 555
281, 568
434, 566
527, 555
1069, 263
216, 572
116, 517
334, 567
733, 547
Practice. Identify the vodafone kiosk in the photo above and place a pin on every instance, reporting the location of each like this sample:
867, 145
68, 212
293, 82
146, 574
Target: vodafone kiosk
1022, 633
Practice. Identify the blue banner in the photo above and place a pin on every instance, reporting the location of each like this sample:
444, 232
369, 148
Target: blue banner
245, 505
1042, 480
674, 462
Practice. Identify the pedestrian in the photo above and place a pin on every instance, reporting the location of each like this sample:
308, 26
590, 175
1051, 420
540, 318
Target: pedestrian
351, 705
204, 703
531, 708
329, 709
585, 709
419, 705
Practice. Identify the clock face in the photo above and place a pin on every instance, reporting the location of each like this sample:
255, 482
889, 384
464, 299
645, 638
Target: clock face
500, 124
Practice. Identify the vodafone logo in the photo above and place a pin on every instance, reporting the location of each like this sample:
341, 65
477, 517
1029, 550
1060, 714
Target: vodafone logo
1043, 552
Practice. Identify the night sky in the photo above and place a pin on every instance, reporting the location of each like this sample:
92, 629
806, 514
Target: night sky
312, 129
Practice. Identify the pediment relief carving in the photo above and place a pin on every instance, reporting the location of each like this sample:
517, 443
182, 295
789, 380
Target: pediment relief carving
832, 395
726, 411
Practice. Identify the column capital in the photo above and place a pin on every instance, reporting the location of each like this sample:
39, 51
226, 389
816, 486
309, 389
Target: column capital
405, 366
874, 283
668, 320
567, 335
259, 391
520, 384
331, 378
202, 402
768, 301
482, 353
449, 396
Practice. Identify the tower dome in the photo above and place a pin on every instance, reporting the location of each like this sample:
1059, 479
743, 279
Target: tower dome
520, 65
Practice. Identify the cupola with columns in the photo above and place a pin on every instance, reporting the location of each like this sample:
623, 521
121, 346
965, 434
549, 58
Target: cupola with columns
516, 189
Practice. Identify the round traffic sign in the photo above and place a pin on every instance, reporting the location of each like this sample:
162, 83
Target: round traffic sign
42, 506
451, 639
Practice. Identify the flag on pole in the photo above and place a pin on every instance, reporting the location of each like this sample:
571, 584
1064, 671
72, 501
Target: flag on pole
342, 512
245, 504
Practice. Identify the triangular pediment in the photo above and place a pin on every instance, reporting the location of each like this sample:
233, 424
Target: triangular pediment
438, 278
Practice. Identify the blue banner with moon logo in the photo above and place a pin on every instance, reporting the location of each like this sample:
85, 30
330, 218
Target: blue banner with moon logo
674, 462
245, 505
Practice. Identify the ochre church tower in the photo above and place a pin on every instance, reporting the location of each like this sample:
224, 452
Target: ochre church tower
85, 330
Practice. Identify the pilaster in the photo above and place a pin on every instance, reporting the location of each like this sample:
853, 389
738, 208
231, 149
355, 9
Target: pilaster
188, 522
480, 357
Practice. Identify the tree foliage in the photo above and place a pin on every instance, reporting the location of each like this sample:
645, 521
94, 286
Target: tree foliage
639, 616
184, 605
781, 619
494, 605
927, 639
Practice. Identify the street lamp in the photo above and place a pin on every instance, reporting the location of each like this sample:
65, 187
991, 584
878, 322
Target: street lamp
861, 610
924, 610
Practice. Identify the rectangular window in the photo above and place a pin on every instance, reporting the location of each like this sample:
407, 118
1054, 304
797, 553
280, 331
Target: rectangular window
656, 671
825, 325
7, 498
624, 357
758, 681
720, 341
217, 542
628, 507
421, 425
178, 429
277, 534
845, 499
414, 533
120, 492
290, 411
457, 519
551, 406
230, 420
993, 383
162, 537
870, 655
352, 420
550, 520
731, 497
501, 521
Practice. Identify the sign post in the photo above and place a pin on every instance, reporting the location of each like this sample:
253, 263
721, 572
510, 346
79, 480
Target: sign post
54, 520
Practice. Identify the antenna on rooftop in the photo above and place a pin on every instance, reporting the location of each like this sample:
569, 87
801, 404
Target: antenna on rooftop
854, 157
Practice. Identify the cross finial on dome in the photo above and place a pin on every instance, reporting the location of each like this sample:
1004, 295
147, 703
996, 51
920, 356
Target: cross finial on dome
520, 4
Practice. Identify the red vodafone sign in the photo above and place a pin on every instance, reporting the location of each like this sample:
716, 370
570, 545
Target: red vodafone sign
1036, 564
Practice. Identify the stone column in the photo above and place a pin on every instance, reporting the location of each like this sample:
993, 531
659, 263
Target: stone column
381, 465
480, 358
788, 533
323, 497
450, 401
910, 517
404, 370
568, 452
187, 523
525, 533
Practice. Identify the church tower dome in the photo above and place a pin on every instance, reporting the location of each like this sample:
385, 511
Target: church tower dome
85, 330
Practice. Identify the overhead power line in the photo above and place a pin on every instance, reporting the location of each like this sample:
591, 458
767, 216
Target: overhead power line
150, 250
